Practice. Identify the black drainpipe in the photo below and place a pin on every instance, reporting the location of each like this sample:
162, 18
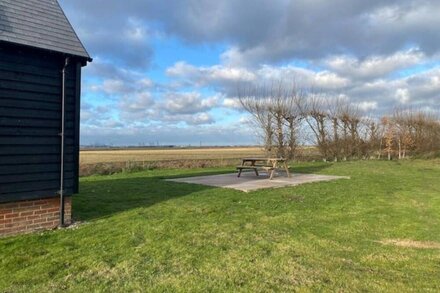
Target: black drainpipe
63, 98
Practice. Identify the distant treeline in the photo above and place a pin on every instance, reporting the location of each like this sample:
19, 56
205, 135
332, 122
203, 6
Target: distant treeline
162, 147
110, 147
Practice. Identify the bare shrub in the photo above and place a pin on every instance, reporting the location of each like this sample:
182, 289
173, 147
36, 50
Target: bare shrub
417, 132
389, 136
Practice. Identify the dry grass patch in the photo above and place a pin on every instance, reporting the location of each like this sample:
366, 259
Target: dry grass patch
408, 243
153, 155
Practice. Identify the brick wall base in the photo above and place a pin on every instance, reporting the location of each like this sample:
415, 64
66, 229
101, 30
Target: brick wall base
32, 215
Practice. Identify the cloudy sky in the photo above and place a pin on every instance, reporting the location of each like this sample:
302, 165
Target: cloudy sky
167, 71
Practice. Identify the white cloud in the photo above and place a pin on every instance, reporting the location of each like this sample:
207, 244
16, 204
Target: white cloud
229, 78
137, 106
110, 86
375, 66
145, 83
367, 106
232, 103
188, 103
181, 68
136, 30
202, 76
202, 118
402, 95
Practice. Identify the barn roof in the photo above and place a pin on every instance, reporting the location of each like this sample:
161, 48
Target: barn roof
40, 24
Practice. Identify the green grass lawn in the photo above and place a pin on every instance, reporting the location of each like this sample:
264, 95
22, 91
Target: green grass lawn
141, 233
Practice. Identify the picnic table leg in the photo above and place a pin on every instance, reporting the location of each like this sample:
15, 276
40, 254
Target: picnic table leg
287, 169
239, 172
256, 171
274, 168
272, 173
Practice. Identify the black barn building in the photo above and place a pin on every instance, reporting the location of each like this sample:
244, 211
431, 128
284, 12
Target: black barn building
40, 85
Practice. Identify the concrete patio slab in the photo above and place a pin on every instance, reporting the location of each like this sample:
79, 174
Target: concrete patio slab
249, 182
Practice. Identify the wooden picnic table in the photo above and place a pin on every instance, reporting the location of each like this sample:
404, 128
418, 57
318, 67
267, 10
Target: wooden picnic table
270, 165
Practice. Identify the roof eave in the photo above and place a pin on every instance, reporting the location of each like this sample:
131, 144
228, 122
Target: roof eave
82, 58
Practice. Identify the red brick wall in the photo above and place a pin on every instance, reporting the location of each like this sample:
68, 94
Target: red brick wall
32, 215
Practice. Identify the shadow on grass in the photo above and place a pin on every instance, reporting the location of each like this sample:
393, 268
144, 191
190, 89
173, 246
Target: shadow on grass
200, 173
102, 197
315, 168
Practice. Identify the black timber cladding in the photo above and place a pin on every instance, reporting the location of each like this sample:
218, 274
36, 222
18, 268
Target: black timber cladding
39, 24
30, 123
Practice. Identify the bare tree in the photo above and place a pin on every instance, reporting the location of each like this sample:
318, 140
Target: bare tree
294, 118
373, 138
256, 105
275, 108
314, 111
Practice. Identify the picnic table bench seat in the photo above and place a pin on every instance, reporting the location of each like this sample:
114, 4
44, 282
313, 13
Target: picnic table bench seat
255, 168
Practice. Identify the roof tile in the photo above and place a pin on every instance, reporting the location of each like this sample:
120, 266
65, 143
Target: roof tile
40, 24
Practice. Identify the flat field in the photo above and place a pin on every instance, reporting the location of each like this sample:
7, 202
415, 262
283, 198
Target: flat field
376, 232
169, 154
